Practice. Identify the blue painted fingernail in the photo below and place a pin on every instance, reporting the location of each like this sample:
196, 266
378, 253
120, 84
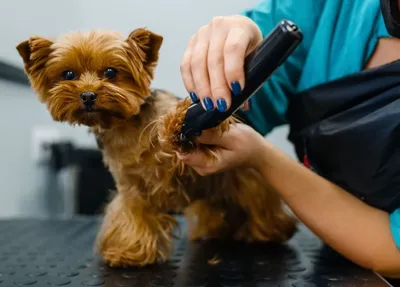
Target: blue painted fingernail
208, 104
194, 97
221, 104
236, 88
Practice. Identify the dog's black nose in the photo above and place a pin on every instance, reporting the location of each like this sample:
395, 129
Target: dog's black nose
88, 98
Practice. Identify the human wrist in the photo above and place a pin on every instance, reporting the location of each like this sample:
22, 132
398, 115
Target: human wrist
269, 160
260, 158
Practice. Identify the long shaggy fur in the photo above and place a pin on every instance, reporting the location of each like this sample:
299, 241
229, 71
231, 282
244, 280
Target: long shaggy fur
136, 128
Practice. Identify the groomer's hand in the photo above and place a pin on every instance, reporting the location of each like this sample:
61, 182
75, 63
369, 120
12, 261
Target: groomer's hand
213, 63
240, 146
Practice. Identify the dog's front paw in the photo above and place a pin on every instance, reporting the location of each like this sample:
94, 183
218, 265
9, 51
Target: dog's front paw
133, 234
170, 125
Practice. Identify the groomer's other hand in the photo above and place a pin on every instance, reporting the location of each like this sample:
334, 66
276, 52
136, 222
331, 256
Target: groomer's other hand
213, 63
240, 146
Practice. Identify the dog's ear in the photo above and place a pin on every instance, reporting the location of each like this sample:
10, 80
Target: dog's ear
35, 52
24, 51
148, 44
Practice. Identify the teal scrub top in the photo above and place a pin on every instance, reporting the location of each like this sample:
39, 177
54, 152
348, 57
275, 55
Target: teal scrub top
339, 38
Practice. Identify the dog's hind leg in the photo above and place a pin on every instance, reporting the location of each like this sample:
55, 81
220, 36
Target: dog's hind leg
267, 219
209, 219
204, 221
133, 233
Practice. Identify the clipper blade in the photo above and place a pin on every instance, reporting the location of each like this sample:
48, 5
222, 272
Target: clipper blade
187, 144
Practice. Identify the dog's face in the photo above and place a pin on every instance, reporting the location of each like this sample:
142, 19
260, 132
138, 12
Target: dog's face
95, 79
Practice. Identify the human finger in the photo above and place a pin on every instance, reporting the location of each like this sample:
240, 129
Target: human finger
212, 137
197, 158
198, 66
207, 169
220, 91
235, 48
186, 71
246, 105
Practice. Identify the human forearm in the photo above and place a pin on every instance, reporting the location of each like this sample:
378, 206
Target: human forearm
353, 228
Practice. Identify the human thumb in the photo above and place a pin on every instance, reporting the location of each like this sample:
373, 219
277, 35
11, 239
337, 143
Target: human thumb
211, 137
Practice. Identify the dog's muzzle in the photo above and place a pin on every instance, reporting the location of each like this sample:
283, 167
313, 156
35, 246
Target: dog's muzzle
88, 99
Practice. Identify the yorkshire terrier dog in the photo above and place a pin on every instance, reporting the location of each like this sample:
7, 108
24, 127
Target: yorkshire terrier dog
102, 80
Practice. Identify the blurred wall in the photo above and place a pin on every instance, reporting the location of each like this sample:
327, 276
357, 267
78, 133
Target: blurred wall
21, 181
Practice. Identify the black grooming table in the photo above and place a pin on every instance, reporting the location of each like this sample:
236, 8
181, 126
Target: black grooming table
59, 253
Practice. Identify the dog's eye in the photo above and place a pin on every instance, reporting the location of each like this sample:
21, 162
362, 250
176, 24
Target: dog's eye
110, 73
68, 75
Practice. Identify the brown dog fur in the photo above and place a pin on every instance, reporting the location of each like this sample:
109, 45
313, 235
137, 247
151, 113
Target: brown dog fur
136, 130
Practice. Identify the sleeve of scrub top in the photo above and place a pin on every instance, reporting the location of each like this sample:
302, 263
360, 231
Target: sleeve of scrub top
269, 104
395, 226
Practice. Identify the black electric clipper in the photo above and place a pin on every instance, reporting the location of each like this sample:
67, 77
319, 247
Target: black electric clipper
258, 67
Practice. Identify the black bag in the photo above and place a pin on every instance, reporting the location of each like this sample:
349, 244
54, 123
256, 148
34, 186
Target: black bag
348, 131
